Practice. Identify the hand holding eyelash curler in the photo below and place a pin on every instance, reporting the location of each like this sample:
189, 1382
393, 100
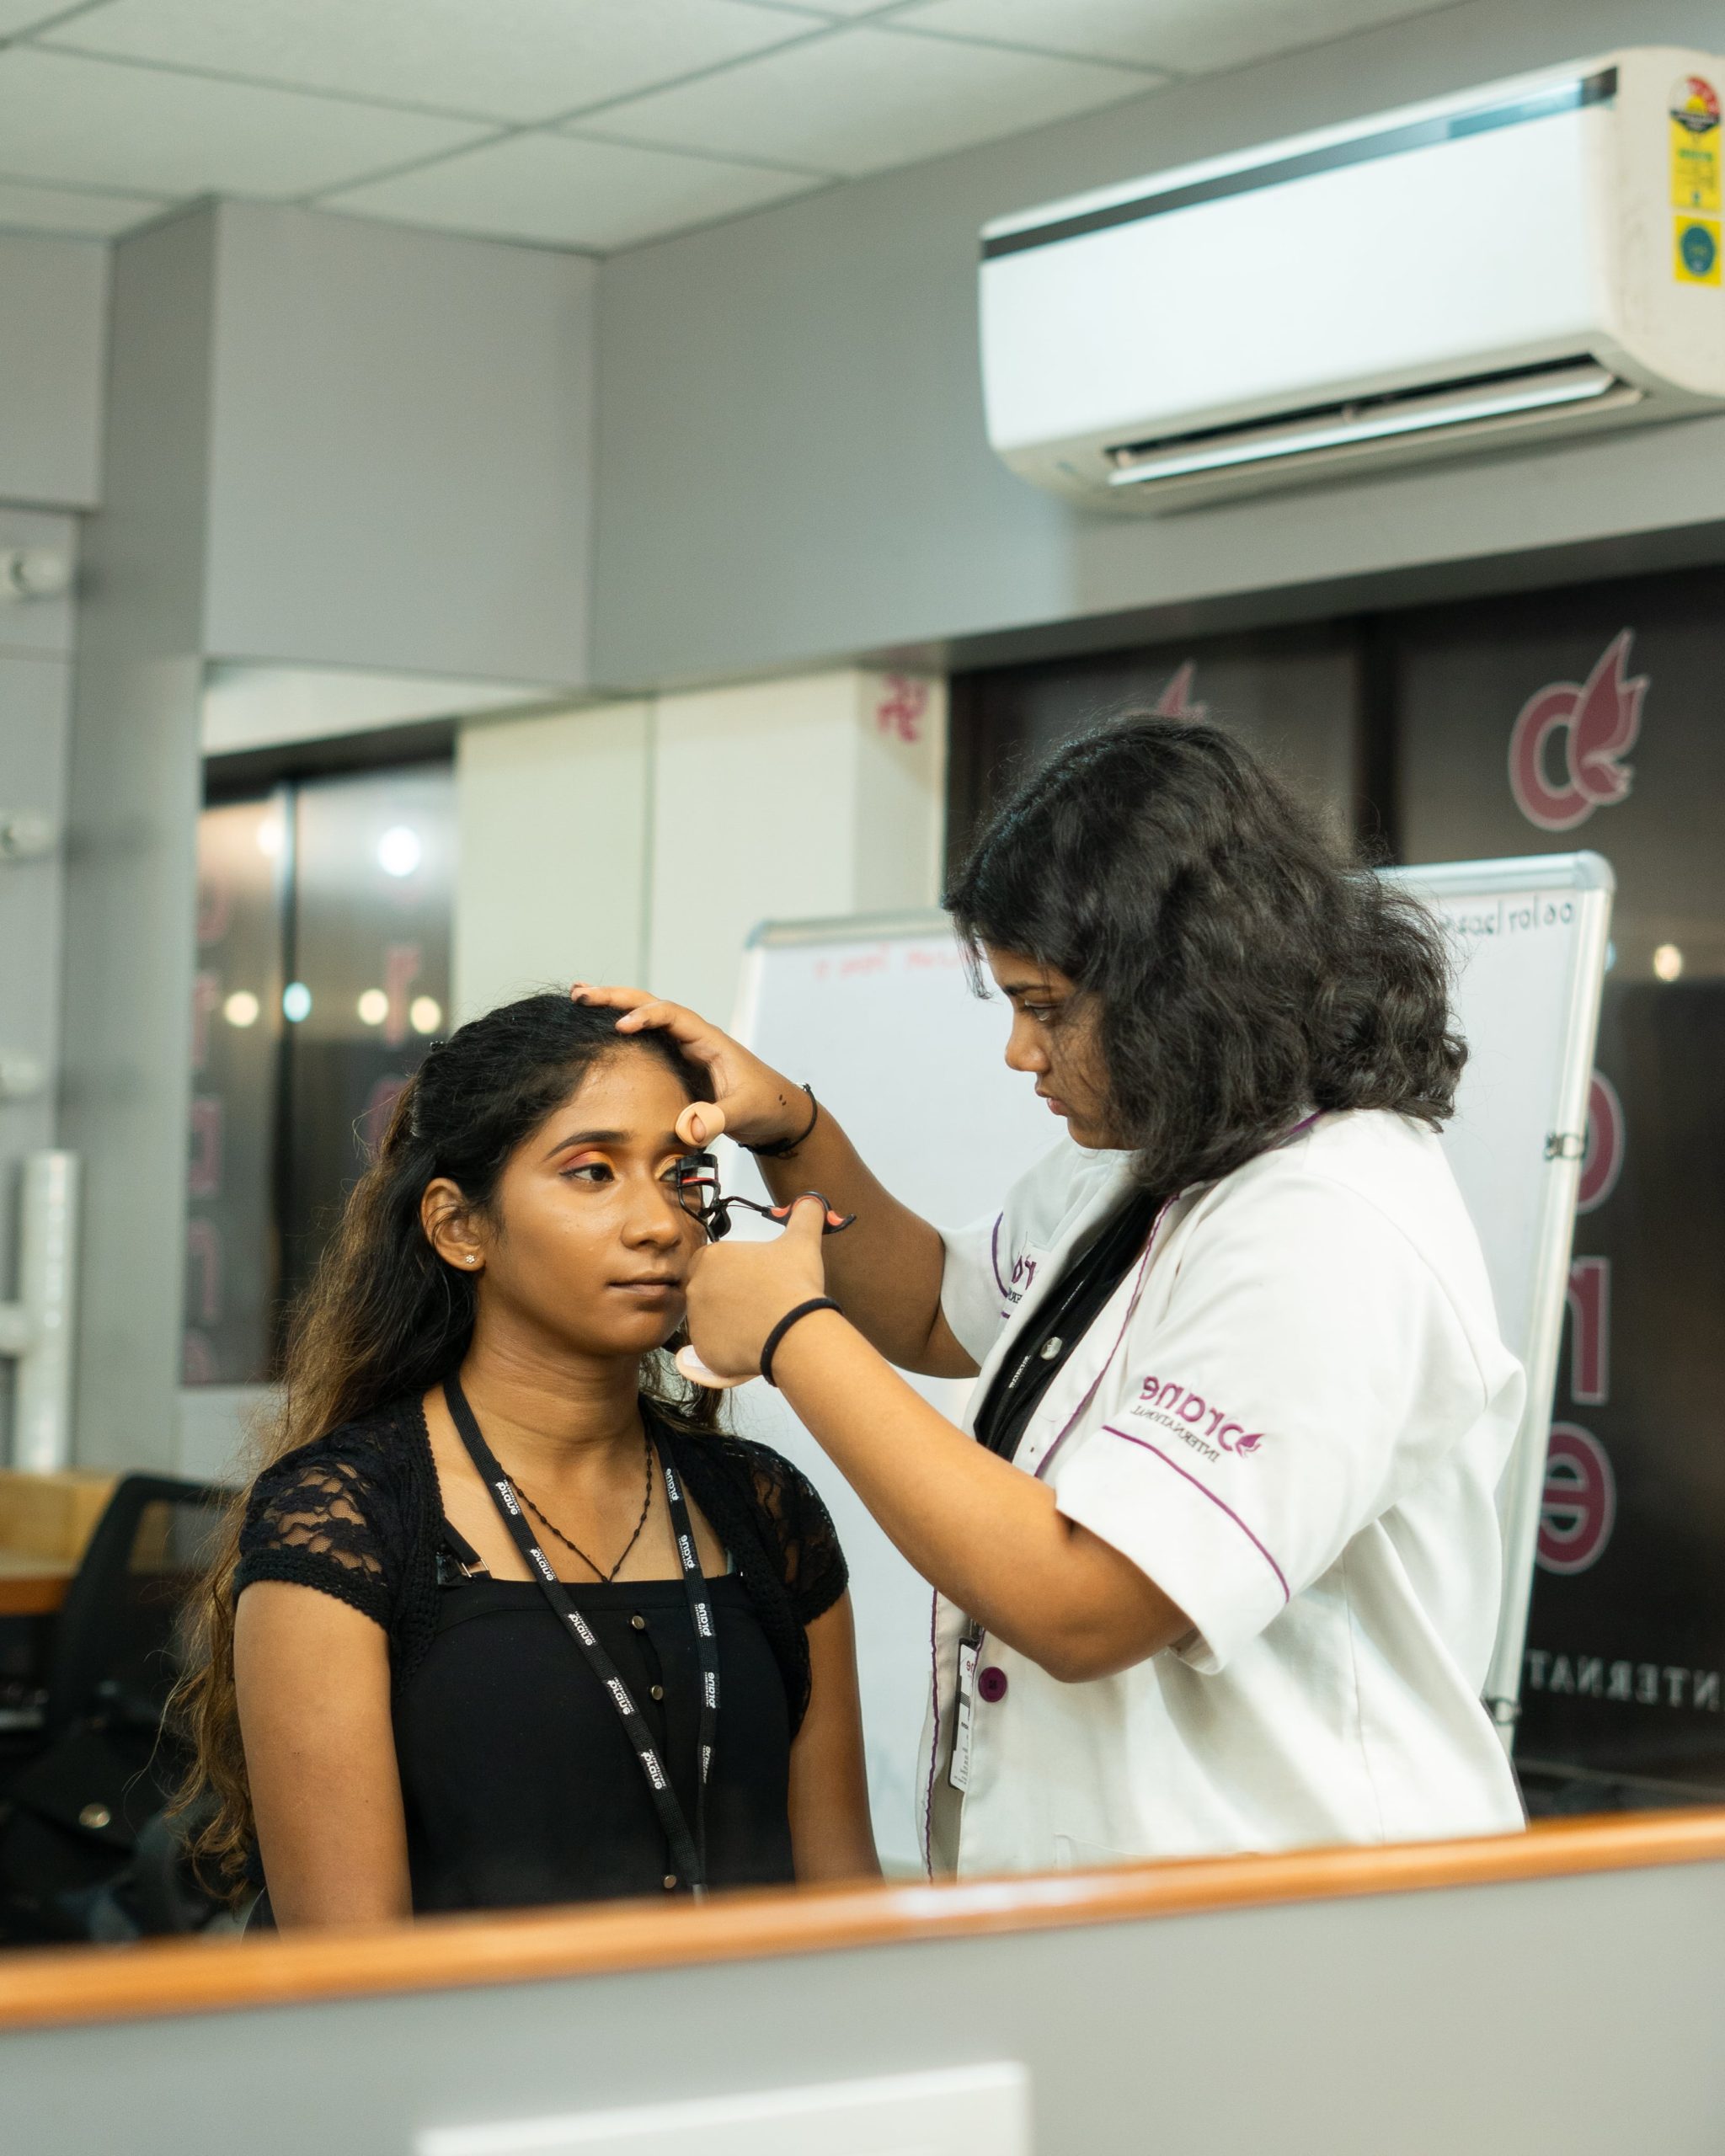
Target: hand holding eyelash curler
697, 1187
697, 1177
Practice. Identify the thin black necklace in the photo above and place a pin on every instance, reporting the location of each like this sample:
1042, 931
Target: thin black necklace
646, 1507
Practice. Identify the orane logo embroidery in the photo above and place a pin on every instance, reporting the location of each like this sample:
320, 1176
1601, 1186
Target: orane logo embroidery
1596, 723
1191, 1417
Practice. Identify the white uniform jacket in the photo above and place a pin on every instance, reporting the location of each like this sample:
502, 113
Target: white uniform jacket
1292, 1416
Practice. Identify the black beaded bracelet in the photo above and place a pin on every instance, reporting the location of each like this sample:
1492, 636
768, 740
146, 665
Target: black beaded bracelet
782, 1148
770, 1345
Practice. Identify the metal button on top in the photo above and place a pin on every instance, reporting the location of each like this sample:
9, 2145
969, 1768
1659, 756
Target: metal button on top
95, 1817
639, 1623
1050, 1348
670, 1882
657, 1691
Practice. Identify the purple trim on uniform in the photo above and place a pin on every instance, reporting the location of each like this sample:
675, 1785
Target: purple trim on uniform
1281, 1577
994, 1253
934, 1741
1131, 1307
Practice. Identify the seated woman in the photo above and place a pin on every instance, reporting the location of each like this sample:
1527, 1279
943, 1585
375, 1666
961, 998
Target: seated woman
505, 1619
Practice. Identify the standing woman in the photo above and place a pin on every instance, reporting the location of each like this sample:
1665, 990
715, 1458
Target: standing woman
1216, 1551
504, 1617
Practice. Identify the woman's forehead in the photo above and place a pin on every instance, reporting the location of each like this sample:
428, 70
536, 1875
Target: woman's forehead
631, 1083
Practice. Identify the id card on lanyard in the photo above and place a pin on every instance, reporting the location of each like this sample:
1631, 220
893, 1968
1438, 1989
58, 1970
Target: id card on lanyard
688, 1851
969, 1653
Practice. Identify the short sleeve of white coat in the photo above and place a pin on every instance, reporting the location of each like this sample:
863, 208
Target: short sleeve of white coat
1306, 1370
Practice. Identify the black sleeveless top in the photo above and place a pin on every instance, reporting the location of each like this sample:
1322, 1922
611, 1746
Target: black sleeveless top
518, 1780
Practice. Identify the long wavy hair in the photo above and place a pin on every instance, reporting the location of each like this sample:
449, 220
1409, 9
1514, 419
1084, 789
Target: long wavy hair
384, 1317
1242, 967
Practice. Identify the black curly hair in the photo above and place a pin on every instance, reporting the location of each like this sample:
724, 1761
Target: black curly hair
1243, 968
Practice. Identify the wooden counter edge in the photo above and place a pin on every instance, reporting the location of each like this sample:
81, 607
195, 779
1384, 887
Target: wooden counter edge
56, 1987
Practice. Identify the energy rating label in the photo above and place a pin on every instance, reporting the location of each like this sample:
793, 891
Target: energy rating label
1694, 145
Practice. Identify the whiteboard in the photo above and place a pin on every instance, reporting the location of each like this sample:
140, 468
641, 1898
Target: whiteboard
876, 1013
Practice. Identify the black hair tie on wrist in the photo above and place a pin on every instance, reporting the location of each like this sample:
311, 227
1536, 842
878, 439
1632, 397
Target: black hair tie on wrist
769, 1346
782, 1148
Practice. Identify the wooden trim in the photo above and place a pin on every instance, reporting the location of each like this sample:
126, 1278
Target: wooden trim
174, 1977
31, 1586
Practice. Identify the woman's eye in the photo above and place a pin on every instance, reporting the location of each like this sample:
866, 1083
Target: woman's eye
592, 1170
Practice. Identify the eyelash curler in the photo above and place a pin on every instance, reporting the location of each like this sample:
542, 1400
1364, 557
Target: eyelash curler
697, 1177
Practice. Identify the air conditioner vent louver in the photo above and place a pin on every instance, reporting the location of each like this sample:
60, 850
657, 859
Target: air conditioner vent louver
1501, 397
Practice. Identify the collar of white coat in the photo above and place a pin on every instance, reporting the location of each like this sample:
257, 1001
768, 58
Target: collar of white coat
1082, 1370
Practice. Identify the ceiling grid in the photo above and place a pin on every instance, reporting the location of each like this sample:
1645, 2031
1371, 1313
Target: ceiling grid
589, 124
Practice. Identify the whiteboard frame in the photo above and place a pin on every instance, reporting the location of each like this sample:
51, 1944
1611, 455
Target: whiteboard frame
1522, 1490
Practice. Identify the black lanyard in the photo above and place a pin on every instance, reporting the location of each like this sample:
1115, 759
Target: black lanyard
1073, 1303
688, 1851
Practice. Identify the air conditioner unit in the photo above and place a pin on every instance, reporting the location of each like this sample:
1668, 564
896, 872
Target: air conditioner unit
1537, 258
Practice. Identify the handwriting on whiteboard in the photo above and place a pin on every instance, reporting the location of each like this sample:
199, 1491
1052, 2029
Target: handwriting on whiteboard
1485, 920
872, 961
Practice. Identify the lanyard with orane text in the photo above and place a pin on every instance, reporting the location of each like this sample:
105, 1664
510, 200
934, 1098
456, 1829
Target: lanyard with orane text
688, 1851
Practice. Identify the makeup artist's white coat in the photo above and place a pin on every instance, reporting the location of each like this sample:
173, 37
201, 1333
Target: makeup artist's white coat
1292, 1416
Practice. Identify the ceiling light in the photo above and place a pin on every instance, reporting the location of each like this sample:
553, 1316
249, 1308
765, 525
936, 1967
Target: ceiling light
296, 1002
242, 1008
374, 1007
425, 1014
1668, 962
399, 851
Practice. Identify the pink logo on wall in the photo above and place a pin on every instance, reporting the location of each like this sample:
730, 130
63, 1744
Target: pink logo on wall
1175, 701
1593, 725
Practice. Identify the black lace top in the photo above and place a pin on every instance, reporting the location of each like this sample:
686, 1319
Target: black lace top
517, 1778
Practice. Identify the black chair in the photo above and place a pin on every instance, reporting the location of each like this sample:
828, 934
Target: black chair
80, 1809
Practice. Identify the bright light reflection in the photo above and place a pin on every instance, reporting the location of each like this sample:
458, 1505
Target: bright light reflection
399, 851
1668, 962
271, 837
242, 1008
296, 1002
374, 1007
425, 1014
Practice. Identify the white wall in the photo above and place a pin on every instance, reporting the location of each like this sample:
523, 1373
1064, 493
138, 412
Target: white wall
785, 800
35, 711
643, 841
794, 467
134, 796
400, 449
554, 836
53, 327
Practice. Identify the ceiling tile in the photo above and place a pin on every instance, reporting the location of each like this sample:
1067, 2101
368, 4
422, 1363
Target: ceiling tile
106, 125
17, 16
1190, 36
862, 99
514, 60
25, 208
566, 192
1084, 29
850, 10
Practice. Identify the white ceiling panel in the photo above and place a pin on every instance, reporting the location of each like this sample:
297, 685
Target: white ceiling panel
90, 216
1189, 36
863, 98
68, 119
564, 192
512, 60
17, 16
834, 10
